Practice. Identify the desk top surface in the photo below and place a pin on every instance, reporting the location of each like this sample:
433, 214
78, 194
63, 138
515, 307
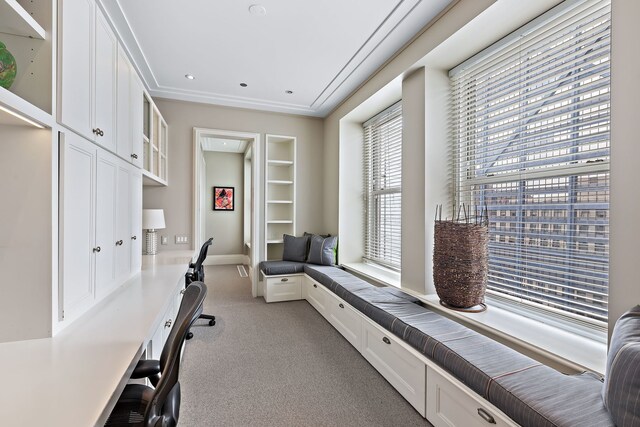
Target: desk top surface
74, 378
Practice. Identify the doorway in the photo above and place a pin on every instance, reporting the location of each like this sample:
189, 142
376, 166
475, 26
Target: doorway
222, 147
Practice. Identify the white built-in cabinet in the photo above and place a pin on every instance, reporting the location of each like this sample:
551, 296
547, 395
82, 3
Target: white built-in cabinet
280, 193
100, 216
88, 72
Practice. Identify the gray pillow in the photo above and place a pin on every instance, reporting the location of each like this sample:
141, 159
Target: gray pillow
621, 391
295, 248
323, 250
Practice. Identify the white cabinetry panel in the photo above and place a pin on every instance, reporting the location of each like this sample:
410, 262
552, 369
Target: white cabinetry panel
403, 370
317, 296
123, 223
136, 220
76, 65
78, 163
107, 173
451, 404
283, 288
105, 83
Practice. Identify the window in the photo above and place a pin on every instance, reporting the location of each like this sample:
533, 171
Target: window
382, 183
531, 129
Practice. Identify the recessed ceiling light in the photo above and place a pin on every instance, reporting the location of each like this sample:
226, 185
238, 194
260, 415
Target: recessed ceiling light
257, 9
243, 84
288, 92
189, 76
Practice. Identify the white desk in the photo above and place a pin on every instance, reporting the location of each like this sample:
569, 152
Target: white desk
74, 378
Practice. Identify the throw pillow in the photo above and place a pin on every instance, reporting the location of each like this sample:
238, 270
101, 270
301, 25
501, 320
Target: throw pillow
295, 248
323, 250
621, 389
306, 233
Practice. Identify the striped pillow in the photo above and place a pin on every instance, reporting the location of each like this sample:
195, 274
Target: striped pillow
322, 250
621, 392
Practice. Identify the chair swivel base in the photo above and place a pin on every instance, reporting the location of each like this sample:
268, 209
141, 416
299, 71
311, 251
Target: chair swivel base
212, 321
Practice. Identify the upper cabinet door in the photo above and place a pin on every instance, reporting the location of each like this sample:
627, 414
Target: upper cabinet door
76, 66
123, 102
137, 120
106, 57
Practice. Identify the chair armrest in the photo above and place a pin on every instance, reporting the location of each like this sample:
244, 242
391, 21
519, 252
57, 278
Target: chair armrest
147, 369
190, 276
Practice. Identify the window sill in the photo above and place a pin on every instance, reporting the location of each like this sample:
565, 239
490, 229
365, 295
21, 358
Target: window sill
560, 347
379, 275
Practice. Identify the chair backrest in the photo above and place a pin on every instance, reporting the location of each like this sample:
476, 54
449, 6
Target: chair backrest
163, 409
198, 269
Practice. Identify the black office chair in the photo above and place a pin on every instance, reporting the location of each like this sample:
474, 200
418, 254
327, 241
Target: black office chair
144, 406
196, 274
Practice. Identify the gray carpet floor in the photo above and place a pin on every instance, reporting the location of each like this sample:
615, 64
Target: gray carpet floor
279, 364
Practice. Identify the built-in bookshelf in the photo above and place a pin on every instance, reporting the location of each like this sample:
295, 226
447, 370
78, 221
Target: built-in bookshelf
280, 193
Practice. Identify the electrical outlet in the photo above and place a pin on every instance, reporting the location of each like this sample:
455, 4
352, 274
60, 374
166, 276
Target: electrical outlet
164, 240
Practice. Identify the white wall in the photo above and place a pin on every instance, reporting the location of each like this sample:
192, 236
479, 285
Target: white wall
226, 227
25, 233
182, 117
624, 235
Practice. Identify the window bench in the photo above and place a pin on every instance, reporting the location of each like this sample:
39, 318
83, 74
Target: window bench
449, 373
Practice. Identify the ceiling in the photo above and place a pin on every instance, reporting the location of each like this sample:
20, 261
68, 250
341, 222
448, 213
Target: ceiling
321, 52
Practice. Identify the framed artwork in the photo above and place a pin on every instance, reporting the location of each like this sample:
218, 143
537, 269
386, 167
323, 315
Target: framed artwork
223, 198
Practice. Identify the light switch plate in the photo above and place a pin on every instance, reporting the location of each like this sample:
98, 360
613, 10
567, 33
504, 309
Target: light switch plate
164, 240
181, 240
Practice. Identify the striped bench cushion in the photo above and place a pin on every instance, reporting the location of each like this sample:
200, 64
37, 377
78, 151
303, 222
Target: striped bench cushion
529, 392
275, 268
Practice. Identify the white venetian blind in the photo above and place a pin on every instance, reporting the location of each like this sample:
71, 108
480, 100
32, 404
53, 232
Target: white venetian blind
531, 123
382, 184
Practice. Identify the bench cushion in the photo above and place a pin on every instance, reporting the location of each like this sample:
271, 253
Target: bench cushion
276, 268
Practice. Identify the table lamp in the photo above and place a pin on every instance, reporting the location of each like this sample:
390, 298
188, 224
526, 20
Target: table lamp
152, 220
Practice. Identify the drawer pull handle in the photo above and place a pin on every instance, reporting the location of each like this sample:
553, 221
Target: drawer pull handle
134, 156
315, 286
284, 280
386, 340
486, 416
341, 305
168, 323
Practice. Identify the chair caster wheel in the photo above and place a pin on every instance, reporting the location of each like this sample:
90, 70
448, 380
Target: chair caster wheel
212, 322
189, 335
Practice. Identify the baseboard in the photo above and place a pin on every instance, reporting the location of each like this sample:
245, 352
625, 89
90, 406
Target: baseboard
226, 259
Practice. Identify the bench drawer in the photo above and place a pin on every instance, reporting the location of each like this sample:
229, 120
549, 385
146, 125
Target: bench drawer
317, 296
283, 288
404, 370
451, 404
346, 320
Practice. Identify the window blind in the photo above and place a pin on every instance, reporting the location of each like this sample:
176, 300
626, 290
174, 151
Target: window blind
531, 124
382, 183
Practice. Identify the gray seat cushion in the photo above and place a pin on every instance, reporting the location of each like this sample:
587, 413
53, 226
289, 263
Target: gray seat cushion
621, 392
275, 268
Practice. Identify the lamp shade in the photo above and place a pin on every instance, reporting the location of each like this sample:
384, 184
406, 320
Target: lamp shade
153, 219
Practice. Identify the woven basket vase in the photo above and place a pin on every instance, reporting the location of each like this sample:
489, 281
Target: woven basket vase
460, 263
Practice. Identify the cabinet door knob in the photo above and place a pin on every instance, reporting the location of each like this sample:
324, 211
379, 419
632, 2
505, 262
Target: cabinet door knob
134, 156
167, 324
98, 132
341, 305
97, 249
386, 340
315, 286
119, 243
134, 237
